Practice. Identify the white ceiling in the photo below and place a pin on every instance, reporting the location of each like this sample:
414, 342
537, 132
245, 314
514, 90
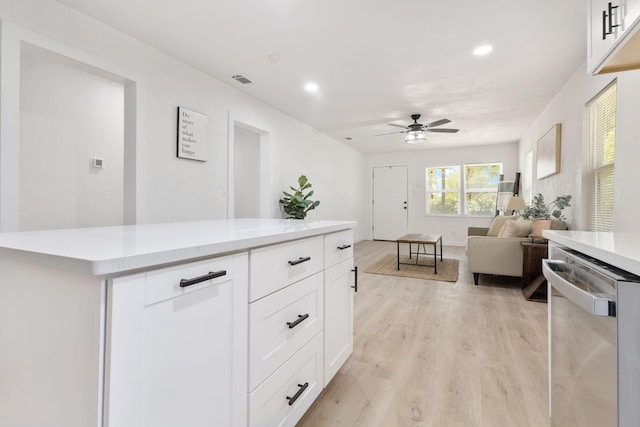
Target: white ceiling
375, 61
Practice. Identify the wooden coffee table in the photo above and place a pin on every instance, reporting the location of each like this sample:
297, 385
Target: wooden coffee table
421, 239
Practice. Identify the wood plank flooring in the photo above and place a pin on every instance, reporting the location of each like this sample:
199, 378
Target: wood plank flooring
439, 354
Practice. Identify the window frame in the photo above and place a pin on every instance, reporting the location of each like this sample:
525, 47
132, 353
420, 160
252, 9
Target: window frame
461, 190
597, 217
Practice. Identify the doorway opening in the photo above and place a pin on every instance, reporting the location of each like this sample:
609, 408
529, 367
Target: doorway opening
249, 172
46, 179
71, 148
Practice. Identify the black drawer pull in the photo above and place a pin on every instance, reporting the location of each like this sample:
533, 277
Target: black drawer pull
355, 270
295, 397
212, 275
300, 260
343, 247
301, 318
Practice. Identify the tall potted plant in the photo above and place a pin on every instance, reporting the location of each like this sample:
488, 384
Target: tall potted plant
297, 204
541, 213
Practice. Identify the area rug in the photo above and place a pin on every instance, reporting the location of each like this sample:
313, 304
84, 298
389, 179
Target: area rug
388, 264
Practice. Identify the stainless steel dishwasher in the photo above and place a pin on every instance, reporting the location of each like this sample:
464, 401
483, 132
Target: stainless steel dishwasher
594, 342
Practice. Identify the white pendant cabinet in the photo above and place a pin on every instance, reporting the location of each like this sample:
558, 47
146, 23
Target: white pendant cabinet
240, 327
613, 42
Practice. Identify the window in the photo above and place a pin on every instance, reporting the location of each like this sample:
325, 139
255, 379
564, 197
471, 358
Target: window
481, 188
443, 190
478, 189
602, 147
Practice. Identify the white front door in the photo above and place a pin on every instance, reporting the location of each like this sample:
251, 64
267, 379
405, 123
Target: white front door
390, 206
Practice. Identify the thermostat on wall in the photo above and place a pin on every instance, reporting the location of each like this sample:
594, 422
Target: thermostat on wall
97, 162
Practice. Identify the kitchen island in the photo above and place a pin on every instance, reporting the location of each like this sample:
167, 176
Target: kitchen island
191, 324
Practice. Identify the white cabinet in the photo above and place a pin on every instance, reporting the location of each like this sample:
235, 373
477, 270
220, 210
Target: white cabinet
338, 326
176, 346
300, 324
286, 395
339, 288
614, 41
604, 20
276, 266
281, 324
286, 309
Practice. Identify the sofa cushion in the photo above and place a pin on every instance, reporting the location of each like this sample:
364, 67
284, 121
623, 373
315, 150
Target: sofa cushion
497, 224
515, 229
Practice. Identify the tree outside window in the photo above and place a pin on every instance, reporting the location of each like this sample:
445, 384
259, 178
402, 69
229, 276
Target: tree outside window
481, 188
443, 190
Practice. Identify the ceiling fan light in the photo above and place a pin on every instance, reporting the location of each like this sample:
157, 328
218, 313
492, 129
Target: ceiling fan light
415, 137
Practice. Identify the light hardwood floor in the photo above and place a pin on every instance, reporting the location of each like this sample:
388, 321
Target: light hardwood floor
439, 354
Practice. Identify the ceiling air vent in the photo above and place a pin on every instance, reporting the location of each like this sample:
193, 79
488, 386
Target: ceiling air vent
242, 79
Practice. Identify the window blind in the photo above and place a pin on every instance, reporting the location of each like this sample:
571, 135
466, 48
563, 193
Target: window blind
602, 144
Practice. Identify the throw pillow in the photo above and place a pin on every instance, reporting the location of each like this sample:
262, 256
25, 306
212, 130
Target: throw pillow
497, 224
515, 229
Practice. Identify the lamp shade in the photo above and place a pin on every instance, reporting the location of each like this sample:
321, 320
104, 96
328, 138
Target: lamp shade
516, 203
415, 136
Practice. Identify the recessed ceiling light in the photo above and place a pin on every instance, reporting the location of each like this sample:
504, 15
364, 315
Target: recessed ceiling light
311, 87
274, 57
482, 50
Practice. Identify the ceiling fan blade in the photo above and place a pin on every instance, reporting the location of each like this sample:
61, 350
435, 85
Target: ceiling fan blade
443, 130
399, 126
438, 123
390, 133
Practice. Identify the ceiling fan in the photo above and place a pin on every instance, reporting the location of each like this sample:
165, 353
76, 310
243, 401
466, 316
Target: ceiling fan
415, 132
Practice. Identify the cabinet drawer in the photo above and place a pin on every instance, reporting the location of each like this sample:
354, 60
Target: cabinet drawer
338, 247
281, 323
165, 283
274, 267
269, 404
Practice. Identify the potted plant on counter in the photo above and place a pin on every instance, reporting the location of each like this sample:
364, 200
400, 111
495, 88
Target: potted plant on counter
541, 213
297, 205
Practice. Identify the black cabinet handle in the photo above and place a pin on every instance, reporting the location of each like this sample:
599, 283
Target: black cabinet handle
212, 275
607, 18
295, 397
611, 26
343, 247
301, 318
355, 282
300, 260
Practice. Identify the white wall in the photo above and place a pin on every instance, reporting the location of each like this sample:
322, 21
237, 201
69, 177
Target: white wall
568, 108
453, 229
170, 188
68, 116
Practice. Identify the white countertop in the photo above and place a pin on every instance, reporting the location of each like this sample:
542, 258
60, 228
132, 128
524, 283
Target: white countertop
110, 250
618, 249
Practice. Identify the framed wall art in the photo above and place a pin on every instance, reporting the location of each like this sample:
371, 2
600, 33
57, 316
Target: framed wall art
548, 153
193, 129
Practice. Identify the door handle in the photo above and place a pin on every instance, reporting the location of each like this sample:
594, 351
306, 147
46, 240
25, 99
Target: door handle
593, 304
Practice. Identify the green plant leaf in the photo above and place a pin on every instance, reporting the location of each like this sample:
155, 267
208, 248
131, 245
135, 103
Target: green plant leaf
297, 205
